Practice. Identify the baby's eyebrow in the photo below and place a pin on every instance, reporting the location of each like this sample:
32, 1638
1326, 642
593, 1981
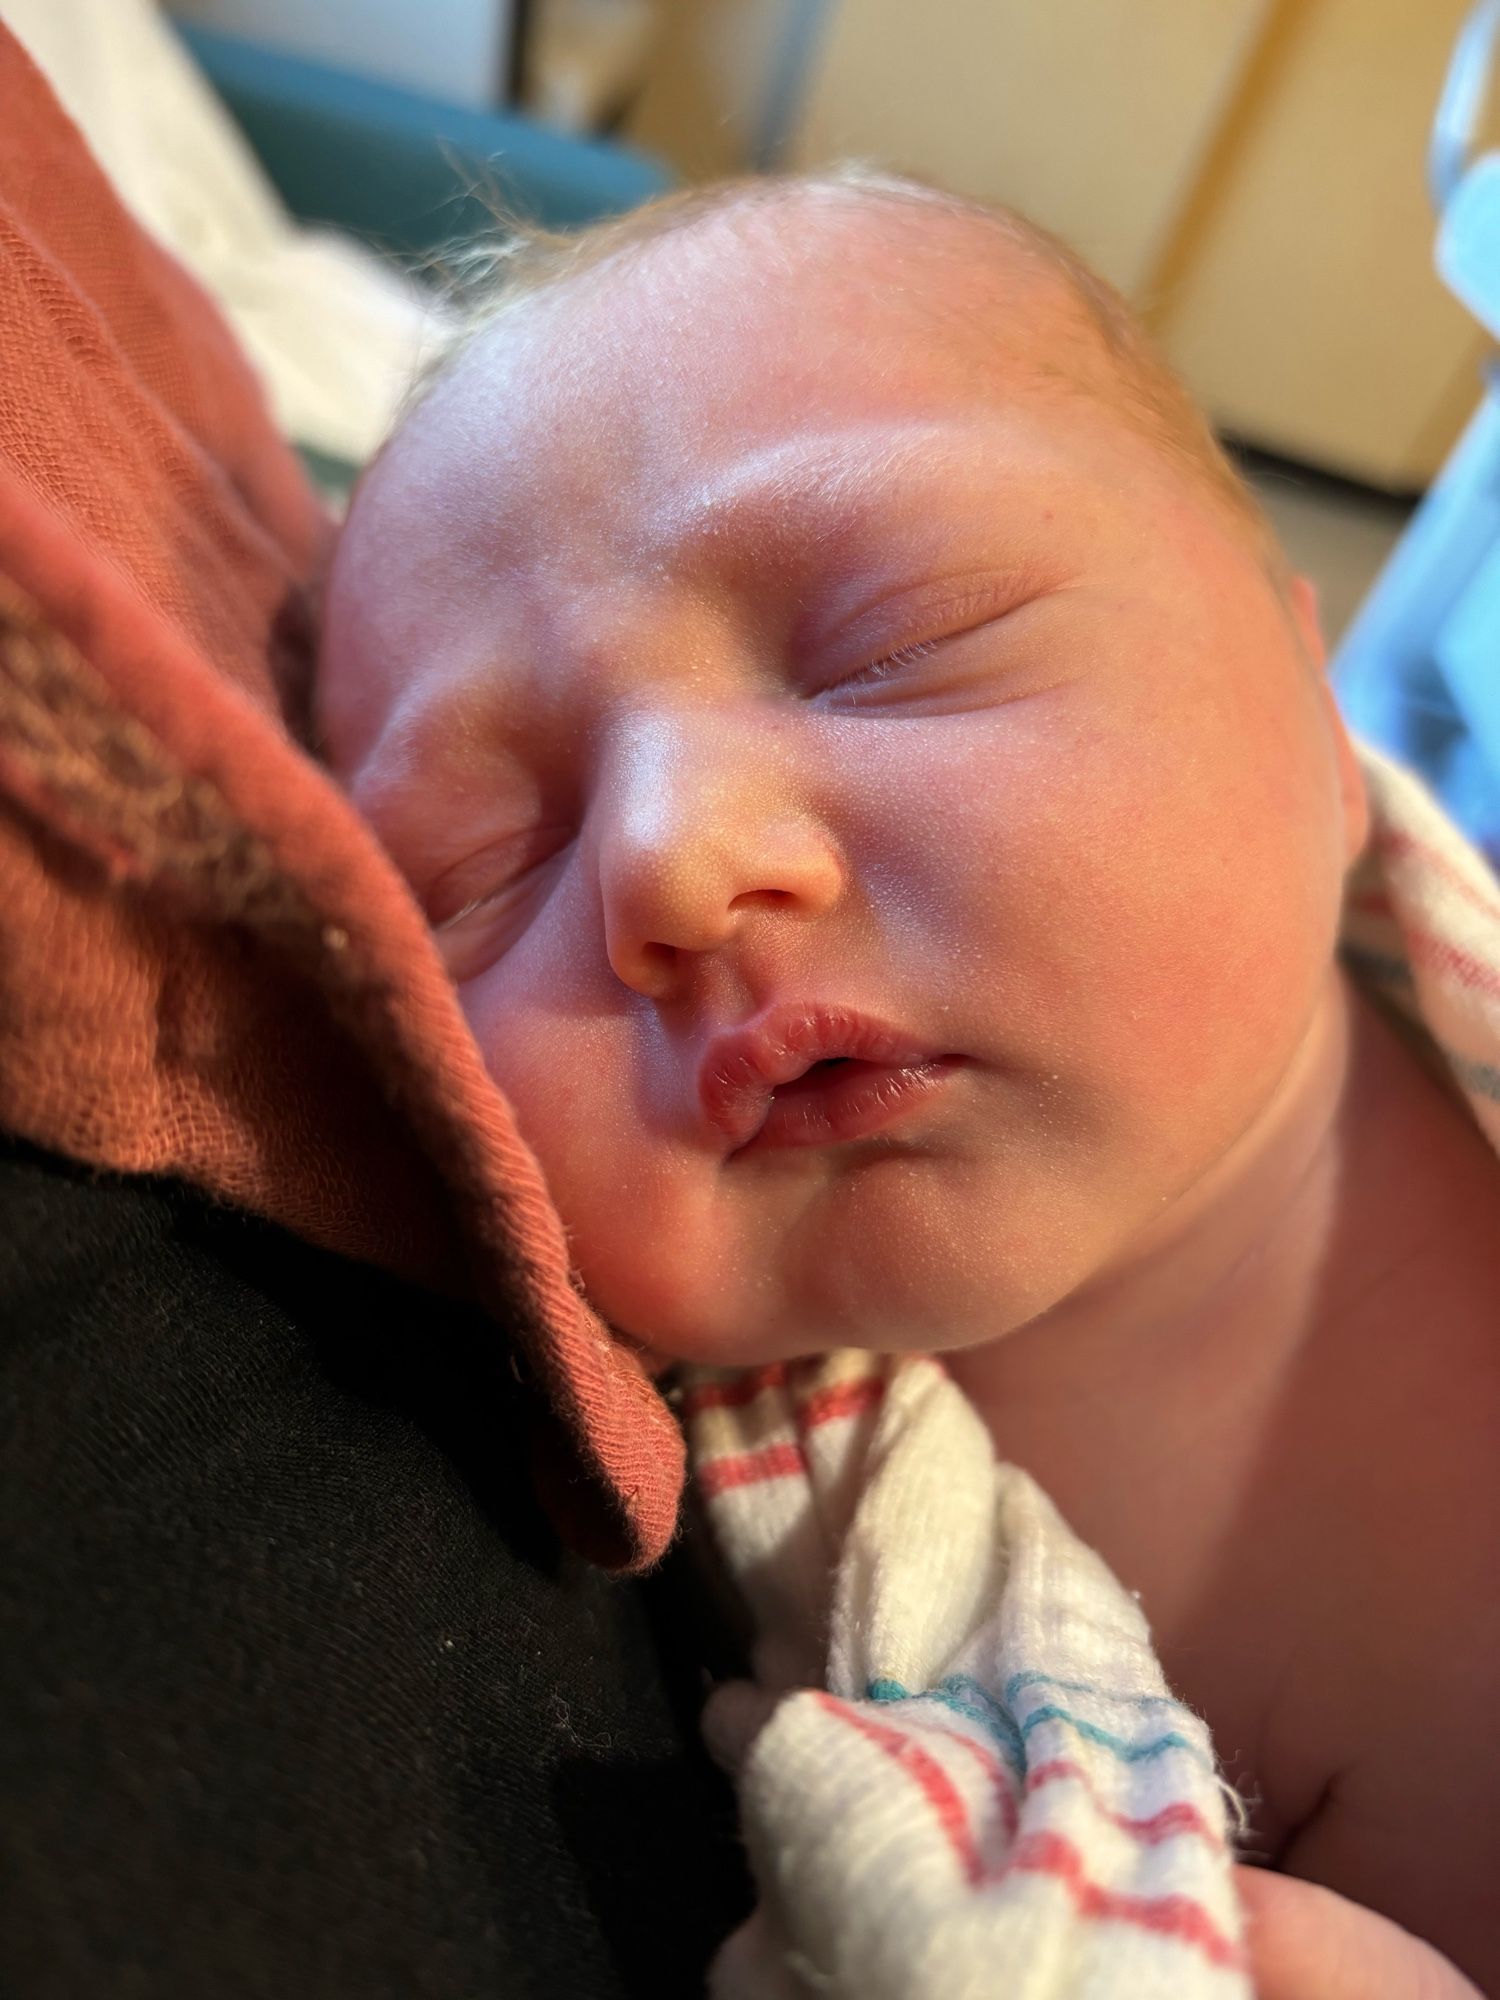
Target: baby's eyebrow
822, 478
817, 523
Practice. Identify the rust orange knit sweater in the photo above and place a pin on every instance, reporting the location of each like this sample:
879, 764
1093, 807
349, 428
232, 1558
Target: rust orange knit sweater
208, 969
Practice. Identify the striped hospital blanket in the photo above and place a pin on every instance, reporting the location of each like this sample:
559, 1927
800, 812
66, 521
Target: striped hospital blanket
980, 1782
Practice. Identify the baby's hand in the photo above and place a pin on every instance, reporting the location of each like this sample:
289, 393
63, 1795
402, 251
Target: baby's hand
733, 1716
1306, 1943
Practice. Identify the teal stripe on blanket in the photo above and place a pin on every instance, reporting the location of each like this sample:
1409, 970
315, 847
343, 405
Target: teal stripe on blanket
962, 1695
1120, 1746
1379, 964
1478, 1078
968, 1699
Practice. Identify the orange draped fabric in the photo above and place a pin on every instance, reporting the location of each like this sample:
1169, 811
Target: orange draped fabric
208, 968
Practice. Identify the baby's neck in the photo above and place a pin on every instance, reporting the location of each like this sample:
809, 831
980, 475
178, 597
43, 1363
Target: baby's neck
1143, 1405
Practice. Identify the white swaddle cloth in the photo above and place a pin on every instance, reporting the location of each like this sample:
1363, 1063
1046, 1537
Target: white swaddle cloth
335, 332
981, 1783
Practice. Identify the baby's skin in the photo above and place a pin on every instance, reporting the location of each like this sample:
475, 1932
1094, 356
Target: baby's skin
791, 626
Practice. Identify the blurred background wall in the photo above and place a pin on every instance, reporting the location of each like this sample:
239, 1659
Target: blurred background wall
1249, 172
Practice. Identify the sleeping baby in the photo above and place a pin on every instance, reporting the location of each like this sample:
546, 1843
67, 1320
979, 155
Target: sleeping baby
872, 779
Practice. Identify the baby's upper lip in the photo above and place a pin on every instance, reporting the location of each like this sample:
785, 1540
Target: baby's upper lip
741, 1070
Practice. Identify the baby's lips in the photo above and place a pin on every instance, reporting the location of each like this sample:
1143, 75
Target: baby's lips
741, 1071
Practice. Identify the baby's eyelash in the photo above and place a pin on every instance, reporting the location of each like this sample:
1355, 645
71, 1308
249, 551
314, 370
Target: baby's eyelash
905, 656
510, 867
465, 910
892, 663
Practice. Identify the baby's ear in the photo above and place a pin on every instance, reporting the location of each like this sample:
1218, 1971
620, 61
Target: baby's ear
1302, 596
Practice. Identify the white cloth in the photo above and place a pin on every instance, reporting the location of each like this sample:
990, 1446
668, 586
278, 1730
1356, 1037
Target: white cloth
335, 333
981, 1784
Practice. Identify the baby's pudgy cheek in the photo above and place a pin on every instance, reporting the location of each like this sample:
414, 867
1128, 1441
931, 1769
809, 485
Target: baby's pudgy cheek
1222, 883
1163, 873
665, 1258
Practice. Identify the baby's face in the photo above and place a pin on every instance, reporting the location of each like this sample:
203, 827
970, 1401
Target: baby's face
750, 656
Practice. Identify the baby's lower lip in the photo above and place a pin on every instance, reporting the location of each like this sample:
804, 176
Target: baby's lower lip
835, 1103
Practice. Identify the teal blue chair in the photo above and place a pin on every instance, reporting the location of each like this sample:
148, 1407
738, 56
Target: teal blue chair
409, 173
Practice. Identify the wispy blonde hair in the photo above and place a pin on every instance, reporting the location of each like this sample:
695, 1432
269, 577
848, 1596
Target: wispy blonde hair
491, 278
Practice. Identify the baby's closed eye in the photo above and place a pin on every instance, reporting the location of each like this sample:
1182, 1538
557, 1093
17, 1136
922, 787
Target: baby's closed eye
473, 906
953, 645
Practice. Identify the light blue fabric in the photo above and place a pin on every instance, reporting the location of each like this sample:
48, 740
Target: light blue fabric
1418, 673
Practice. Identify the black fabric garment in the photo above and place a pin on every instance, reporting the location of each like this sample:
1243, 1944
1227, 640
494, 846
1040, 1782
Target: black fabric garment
298, 1697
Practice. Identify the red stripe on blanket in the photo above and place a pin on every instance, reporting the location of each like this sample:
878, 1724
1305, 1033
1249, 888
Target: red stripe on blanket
1447, 960
1179, 1817
993, 1769
823, 1406
937, 1787
1372, 903
841, 1399
1168, 1916
1390, 841
1041, 1853
751, 1468
736, 1394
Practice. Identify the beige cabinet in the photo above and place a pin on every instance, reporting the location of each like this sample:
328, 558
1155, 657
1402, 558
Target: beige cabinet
1091, 116
1250, 172
1299, 298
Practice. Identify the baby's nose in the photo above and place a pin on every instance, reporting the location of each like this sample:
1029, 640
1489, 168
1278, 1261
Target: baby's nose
704, 832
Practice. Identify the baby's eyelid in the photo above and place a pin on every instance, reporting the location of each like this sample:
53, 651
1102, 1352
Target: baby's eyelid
954, 620
456, 917
492, 872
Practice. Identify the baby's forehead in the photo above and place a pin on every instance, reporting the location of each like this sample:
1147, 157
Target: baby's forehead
663, 372
941, 278
737, 411
744, 329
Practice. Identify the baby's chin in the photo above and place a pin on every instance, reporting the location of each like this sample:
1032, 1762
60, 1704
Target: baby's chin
709, 1338
914, 1253
707, 1331
911, 1278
